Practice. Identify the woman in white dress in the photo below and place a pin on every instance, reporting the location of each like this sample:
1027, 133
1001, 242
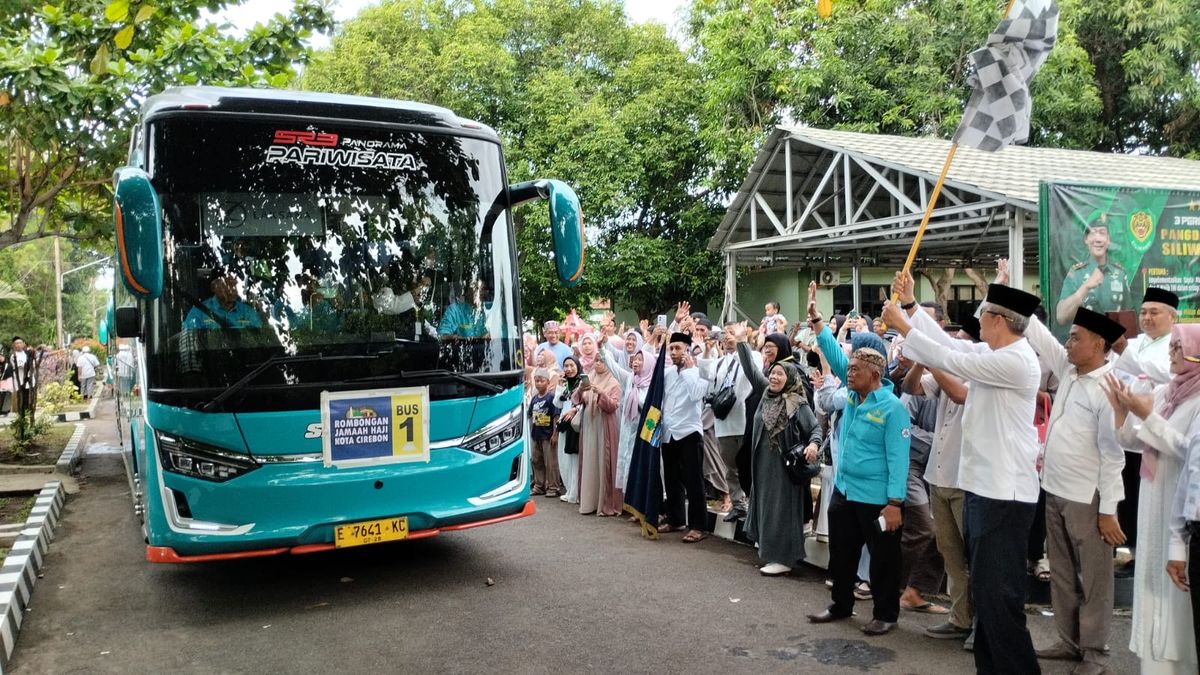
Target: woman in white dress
1162, 614
568, 462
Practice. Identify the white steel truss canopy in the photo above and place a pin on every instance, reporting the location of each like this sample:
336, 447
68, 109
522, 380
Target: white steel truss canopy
816, 198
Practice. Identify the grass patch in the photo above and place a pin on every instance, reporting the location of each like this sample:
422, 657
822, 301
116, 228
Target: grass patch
16, 508
45, 450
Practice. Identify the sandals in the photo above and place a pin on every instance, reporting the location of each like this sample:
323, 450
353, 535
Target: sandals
926, 608
693, 536
666, 528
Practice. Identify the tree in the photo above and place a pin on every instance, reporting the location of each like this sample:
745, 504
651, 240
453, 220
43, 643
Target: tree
1122, 76
576, 93
72, 76
28, 270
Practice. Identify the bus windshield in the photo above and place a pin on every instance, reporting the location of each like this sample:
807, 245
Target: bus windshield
375, 251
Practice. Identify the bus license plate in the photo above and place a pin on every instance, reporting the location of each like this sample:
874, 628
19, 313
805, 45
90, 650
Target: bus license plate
370, 532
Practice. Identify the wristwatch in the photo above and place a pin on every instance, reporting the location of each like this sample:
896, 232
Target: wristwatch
895, 502
908, 305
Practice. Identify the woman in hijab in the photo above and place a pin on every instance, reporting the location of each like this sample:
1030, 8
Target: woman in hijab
632, 344
1162, 634
775, 348
568, 441
599, 397
635, 382
782, 423
588, 347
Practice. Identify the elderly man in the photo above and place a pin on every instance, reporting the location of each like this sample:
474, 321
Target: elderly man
1146, 355
869, 485
998, 468
561, 351
1082, 480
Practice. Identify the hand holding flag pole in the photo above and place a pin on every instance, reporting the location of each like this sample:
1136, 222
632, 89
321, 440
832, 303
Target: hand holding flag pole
998, 112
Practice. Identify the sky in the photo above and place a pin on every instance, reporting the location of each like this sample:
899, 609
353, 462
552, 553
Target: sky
246, 15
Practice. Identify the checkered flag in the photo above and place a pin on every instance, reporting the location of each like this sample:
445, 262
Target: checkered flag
999, 109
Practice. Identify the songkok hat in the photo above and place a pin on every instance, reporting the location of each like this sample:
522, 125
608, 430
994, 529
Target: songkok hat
870, 356
970, 326
1099, 324
550, 325
1013, 299
681, 337
1161, 295
541, 372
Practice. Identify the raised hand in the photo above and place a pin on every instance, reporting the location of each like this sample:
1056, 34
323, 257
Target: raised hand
812, 300
1002, 271
904, 287
684, 309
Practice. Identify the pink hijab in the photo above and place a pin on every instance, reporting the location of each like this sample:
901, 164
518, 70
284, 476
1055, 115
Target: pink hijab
1186, 384
640, 381
586, 360
1183, 386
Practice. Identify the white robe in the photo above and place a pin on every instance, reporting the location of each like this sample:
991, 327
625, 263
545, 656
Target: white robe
1162, 614
568, 465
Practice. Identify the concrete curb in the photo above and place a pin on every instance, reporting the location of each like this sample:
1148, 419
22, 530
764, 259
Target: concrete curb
76, 416
73, 453
20, 569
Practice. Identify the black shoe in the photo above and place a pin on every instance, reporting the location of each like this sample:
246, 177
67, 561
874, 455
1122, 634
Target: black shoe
827, 616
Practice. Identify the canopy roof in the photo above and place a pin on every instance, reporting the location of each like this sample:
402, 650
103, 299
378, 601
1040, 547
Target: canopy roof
820, 197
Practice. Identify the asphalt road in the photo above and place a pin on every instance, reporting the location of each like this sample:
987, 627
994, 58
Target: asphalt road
571, 594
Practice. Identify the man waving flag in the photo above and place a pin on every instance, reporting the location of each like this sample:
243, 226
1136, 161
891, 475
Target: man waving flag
644, 489
999, 110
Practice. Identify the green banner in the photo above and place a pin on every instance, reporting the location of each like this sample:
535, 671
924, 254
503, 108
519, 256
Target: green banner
1102, 245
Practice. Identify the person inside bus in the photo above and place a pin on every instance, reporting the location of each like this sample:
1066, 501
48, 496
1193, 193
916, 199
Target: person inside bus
225, 309
467, 318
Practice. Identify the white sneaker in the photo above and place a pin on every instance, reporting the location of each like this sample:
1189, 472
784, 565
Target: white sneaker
774, 570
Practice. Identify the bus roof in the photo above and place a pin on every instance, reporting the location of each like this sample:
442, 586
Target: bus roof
287, 102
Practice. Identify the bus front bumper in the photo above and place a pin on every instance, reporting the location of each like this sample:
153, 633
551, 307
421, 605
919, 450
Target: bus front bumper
166, 554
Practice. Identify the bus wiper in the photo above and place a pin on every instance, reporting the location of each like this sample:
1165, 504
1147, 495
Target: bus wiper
442, 373
249, 377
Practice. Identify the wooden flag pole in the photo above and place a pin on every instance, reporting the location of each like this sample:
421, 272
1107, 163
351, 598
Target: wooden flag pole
937, 191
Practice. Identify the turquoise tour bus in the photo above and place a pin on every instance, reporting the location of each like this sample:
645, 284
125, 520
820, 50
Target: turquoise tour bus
320, 297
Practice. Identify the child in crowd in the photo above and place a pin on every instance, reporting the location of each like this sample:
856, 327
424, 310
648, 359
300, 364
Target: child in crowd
773, 322
543, 421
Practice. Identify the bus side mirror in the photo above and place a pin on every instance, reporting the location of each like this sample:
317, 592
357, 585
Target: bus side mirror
136, 216
128, 322
566, 226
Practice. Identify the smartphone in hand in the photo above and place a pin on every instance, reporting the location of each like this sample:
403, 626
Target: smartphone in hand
661, 320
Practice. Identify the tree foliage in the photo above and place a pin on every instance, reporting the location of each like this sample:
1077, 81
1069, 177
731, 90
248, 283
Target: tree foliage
72, 76
1122, 76
28, 271
577, 93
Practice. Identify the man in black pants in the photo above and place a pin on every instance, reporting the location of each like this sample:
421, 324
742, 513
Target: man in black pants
683, 461
998, 469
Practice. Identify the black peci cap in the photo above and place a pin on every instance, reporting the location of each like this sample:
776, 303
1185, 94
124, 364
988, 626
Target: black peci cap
681, 337
1099, 324
970, 326
1013, 299
1161, 295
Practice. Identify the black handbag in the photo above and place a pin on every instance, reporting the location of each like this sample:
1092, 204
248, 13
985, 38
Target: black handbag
726, 397
798, 469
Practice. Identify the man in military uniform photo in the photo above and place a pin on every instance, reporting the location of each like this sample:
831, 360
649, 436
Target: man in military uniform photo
1098, 283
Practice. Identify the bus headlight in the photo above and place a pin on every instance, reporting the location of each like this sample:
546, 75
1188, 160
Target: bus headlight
198, 460
496, 436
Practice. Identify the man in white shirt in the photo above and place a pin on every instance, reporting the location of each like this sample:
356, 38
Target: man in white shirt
998, 467
945, 497
1082, 479
86, 365
727, 372
1146, 355
683, 461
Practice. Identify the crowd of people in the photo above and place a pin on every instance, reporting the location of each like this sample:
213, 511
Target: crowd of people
928, 457
24, 369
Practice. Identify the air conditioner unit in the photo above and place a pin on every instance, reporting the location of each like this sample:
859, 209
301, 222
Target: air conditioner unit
828, 277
